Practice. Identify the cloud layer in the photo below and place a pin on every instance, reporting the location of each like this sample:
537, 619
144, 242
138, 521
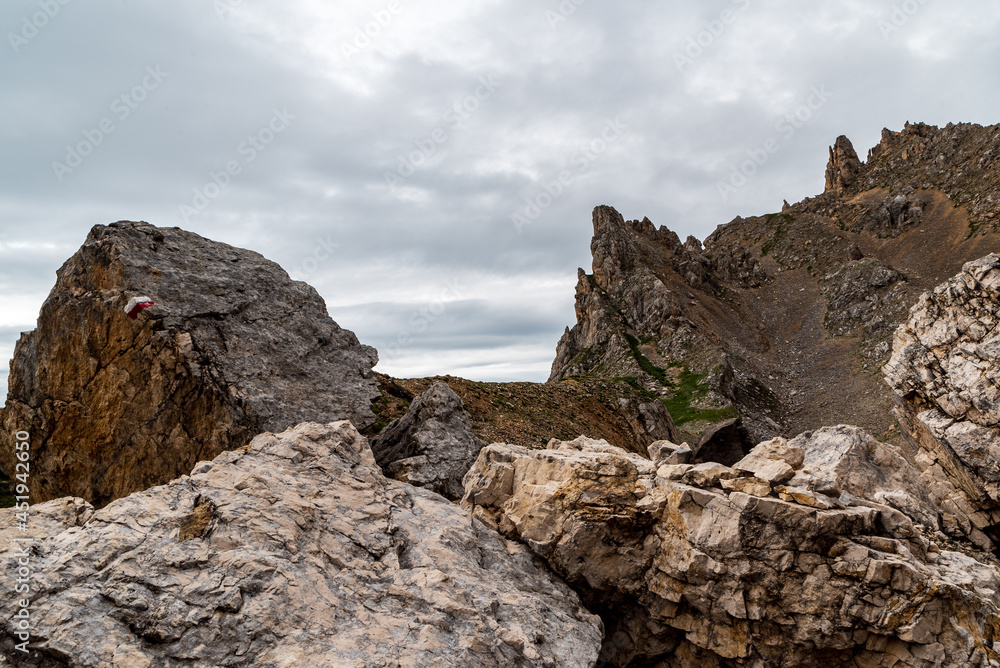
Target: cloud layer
384, 151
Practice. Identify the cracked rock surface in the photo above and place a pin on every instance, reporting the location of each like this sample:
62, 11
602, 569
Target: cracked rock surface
713, 567
232, 348
293, 551
432, 445
945, 371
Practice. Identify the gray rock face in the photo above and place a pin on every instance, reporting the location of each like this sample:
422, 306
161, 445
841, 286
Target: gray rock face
709, 566
623, 293
650, 420
232, 347
945, 370
649, 286
293, 551
432, 445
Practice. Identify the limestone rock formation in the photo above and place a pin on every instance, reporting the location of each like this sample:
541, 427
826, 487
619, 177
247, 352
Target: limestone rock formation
711, 566
292, 551
432, 445
232, 348
945, 370
786, 319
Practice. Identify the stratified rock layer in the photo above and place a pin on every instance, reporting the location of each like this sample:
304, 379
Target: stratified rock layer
294, 551
945, 370
432, 445
711, 566
232, 348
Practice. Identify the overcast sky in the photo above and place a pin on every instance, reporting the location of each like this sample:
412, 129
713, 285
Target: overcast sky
431, 167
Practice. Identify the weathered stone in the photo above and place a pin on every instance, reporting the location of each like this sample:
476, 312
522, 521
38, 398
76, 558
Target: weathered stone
673, 471
774, 461
806, 497
690, 576
294, 551
708, 474
665, 452
842, 170
232, 348
845, 462
432, 445
751, 485
945, 372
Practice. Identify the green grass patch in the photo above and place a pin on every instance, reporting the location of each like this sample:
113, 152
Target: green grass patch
687, 391
656, 372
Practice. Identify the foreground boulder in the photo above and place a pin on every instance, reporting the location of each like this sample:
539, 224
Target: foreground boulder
293, 551
231, 348
945, 370
713, 566
432, 445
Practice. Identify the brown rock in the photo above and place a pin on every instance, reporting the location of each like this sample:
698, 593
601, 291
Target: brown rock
231, 348
844, 166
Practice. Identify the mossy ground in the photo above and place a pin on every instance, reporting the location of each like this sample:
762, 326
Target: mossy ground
688, 389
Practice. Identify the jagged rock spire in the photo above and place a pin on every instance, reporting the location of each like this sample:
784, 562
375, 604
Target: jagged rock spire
844, 166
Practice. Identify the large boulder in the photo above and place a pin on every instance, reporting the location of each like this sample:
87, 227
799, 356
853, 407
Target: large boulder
945, 371
232, 347
292, 551
432, 445
710, 566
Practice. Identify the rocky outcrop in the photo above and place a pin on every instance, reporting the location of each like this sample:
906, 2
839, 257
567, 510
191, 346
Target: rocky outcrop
787, 318
432, 445
623, 295
231, 348
643, 283
809, 552
844, 166
945, 370
293, 551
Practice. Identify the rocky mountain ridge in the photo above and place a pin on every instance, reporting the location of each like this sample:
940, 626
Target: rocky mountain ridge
786, 319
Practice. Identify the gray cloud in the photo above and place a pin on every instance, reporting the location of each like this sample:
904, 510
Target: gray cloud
316, 198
